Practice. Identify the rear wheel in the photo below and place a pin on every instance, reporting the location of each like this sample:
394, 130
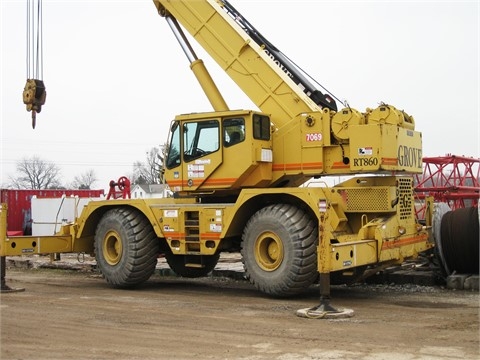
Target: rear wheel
126, 247
279, 250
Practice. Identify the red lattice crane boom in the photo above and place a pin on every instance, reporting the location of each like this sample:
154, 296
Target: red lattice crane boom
450, 179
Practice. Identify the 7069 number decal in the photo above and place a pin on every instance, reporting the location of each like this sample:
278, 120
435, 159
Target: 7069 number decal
313, 137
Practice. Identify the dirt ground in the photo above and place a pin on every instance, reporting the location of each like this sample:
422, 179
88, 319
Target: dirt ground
64, 314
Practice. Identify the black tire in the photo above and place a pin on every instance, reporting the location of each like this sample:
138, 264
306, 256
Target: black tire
177, 264
460, 240
126, 247
279, 247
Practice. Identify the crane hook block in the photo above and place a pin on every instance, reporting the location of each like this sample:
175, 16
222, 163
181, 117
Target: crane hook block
34, 96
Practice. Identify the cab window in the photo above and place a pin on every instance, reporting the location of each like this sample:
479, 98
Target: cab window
173, 157
233, 131
261, 127
200, 138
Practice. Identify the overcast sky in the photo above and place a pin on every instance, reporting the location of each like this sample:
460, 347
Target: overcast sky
115, 75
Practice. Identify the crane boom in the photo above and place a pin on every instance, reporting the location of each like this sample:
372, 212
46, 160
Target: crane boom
243, 59
281, 60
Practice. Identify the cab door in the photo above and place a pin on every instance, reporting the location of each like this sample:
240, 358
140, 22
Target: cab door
201, 152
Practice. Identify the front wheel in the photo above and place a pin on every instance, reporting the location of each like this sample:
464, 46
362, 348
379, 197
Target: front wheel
126, 247
279, 250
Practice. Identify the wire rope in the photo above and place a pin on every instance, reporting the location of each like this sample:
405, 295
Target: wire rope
34, 32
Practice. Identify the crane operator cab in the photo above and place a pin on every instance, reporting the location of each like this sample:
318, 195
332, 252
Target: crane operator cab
226, 150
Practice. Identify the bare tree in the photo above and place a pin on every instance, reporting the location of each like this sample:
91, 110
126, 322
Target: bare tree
36, 174
85, 180
150, 172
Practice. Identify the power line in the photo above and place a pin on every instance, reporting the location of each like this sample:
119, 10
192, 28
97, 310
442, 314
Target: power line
72, 163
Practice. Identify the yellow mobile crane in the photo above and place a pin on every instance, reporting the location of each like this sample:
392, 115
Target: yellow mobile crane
238, 175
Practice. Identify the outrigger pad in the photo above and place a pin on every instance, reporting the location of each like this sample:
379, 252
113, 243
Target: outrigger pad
319, 312
7, 289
